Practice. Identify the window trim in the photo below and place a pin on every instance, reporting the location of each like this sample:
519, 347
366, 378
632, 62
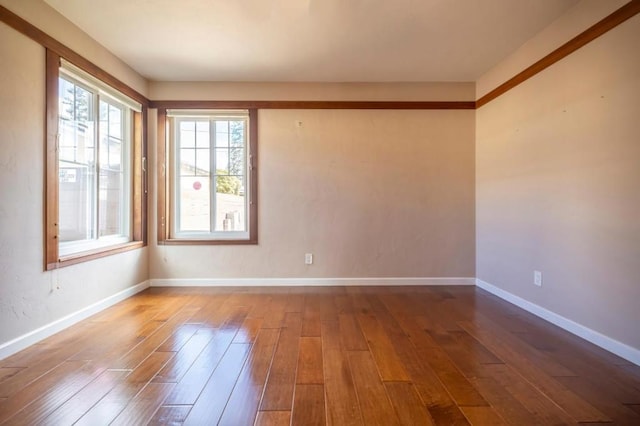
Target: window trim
164, 182
137, 193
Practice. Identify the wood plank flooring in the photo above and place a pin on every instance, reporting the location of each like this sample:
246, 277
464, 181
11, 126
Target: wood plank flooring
316, 356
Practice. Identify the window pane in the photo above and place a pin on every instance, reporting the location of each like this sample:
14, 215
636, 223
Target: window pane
222, 133
110, 202
83, 105
104, 150
104, 117
202, 134
115, 122
228, 184
104, 133
103, 130
202, 162
194, 214
66, 99
222, 161
115, 154
236, 161
76, 162
76, 202
187, 134
187, 162
76, 141
230, 204
237, 133
76, 127
67, 153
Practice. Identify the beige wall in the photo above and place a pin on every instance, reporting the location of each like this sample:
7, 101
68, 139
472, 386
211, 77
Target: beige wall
369, 193
26, 297
557, 173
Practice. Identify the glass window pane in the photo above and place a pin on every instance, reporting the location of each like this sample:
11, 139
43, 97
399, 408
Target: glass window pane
110, 202
230, 204
73, 141
103, 126
202, 134
115, 154
83, 105
85, 136
194, 214
75, 126
115, 122
202, 162
187, 162
222, 133
187, 138
66, 97
104, 114
236, 161
67, 130
104, 151
76, 202
229, 184
222, 161
67, 153
237, 133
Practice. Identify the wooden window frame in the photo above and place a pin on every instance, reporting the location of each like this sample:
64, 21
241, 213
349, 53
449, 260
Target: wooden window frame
164, 202
53, 260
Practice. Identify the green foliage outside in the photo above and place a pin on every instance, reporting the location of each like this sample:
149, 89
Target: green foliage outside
227, 184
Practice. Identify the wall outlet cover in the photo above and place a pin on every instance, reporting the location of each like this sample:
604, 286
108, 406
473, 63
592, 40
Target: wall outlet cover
537, 278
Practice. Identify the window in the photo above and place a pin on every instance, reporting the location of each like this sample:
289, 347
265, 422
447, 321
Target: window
91, 178
211, 180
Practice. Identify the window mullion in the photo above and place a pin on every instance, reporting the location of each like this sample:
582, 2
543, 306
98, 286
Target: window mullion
126, 170
96, 167
246, 175
174, 174
212, 176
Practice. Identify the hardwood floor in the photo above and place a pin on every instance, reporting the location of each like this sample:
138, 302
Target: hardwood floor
315, 356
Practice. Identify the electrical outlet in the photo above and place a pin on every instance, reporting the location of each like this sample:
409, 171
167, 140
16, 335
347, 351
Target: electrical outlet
308, 258
537, 278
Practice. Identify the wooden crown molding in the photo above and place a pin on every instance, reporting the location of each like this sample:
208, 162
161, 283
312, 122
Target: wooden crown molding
313, 104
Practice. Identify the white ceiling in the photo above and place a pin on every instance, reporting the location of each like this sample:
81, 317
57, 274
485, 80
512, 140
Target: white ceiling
312, 40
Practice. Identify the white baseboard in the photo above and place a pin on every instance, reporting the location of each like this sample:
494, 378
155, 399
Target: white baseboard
296, 282
622, 350
20, 343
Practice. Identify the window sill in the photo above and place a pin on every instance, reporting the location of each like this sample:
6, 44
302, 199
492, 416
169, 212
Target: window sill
202, 242
85, 256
